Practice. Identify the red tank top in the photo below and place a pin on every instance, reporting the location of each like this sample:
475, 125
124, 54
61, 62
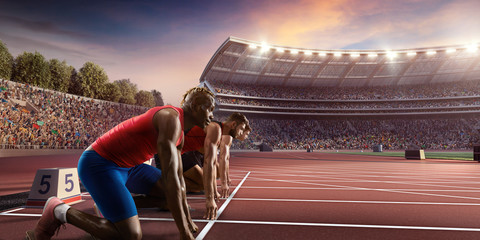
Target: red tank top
133, 141
195, 138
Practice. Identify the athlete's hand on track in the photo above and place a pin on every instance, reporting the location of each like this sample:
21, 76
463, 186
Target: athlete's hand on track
225, 190
217, 195
192, 226
229, 181
187, 236
211, 212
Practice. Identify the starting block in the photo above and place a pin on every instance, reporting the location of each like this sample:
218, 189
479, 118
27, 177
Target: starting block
60, 182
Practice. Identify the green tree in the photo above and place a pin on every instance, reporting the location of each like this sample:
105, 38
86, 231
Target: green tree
128, 91
93, 80
158, 98
144, 98
74, 87
33, 69
60, 73
6, 62
112, 93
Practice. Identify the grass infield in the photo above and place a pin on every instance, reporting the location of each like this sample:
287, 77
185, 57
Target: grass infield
431, 155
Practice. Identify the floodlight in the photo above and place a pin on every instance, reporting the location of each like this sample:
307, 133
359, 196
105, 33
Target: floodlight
451, 50
265, 47
472, 48
372, 54
337, 54
323, 54
411, 53
355, 54
252, 46
308, 52
391, 54
280, 49
431, 52
293, 51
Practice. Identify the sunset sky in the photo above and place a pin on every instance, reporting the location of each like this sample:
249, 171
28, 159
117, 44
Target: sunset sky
165, 45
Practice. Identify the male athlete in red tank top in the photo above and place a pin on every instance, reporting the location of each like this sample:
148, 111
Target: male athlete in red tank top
104, 167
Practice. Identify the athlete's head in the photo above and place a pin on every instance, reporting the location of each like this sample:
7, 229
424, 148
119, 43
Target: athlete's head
237, 123
199, 103
245, 134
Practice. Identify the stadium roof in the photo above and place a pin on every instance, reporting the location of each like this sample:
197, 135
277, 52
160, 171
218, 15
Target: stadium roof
248, 62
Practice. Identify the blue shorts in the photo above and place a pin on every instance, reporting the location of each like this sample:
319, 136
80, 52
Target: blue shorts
111, 186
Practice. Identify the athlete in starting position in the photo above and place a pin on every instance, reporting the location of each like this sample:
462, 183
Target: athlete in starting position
200, 170
224, 160
112, 167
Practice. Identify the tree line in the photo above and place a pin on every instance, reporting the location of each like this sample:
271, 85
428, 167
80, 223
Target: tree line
89, 81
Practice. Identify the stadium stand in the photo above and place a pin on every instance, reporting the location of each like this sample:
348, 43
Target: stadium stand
349, 99
36, 118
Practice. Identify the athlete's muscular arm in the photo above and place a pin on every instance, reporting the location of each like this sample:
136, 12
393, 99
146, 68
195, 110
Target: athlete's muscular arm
225, 144
168, 124
212, 140
192, 226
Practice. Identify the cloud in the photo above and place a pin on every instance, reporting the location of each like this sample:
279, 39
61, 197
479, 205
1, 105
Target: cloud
21, 44
39, 26
378, 24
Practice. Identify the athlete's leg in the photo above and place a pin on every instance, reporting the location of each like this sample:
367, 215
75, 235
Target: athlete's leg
146, 180
103, 228
105, 182
194, 179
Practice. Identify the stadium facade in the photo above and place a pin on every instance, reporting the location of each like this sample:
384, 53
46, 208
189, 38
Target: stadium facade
240, 63
349, 99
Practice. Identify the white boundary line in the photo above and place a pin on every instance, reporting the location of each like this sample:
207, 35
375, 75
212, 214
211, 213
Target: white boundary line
366, 188
20, 214
354, 225
327, 225
352, 188
352, 201
10, 211
207, 228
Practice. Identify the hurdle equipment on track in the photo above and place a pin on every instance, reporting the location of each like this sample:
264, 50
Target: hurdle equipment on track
60, 182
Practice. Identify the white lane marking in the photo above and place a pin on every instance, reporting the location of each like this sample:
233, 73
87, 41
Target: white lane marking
336, 188
372, 189
354, 225
21, 214
13, 210
329, 225
352, 201
207, 228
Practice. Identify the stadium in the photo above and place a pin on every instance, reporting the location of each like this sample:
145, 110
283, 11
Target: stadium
349, 99
351, 141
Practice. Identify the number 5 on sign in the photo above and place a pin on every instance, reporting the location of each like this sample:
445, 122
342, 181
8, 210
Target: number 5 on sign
60, 182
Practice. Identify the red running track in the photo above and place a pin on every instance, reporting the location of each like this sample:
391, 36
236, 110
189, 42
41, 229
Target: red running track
293, 195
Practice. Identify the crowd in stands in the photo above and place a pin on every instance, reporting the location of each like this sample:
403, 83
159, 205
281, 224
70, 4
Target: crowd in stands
297, 106
466, 88
33, 118
393, 134
37, 118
